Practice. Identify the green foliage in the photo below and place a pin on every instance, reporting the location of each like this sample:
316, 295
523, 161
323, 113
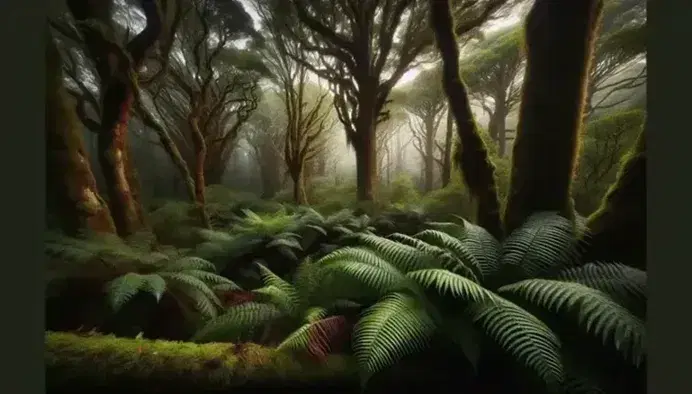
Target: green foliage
402, 193
458, 281
606, 141
125, 271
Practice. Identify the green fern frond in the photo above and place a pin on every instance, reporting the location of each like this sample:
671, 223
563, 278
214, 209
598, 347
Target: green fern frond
315, 337
190, 263
237, 323
449, 283
205, 300
315, 313
275, 296
522, 335
403, 257
212, 279
596, 313
457, 247
544, 243
481, 245
286, 242
155, 285
455, 230
121, 289
393, 328
355, 280
624, 284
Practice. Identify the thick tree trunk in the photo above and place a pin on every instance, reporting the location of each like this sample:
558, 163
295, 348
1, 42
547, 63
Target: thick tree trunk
70, 181
559, 42
200, 147
121, 180
473, 159
447, 156
618, 228
299, 194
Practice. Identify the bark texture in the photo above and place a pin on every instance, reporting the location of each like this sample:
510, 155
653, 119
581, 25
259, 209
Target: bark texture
477, 169
618, 228
70, 181
559, 45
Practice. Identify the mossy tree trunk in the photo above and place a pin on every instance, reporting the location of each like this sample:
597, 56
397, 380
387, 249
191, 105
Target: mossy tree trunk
472, 157
117, 69
365, 146
200, 148
559, 45
618, 227
70, 181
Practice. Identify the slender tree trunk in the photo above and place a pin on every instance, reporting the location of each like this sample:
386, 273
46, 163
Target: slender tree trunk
500, 124
365, 147
114, 157
299, 195
559, 41
200, 147
478, 171
429, 158
618, 227
70, 181
447, 156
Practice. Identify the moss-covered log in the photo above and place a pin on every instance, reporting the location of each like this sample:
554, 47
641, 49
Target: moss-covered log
618, 227
473, 159
559, 46
96, 363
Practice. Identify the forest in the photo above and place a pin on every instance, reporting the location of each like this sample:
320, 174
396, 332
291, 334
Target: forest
361, 196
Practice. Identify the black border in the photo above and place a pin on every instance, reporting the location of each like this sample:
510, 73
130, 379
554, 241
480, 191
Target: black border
22, 175
22, 32
669, 196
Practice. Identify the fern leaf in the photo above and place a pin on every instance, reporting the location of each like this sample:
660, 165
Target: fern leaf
275, 296
190, 263
624, 284
546, 241
390, 330
403, 257
212, 279
457, 247
204, 298
237, 323
446, 282
523, 336
356, 280
317, 337
121, 289
155, 285
597, 314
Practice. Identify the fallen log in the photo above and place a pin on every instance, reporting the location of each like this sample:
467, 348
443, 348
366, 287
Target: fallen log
100, 363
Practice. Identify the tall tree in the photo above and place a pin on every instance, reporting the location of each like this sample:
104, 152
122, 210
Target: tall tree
117, 66
493, 74
76, 202
363, 48
546, 146
265, 135
425, 101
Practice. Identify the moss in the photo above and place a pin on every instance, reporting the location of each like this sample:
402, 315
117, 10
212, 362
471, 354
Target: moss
559, 46
74, 361
618, 227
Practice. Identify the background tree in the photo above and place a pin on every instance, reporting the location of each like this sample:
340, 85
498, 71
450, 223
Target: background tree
363, 49
265, 135
493, 73
425, 101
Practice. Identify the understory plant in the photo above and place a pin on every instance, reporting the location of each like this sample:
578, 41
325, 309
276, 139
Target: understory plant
529, 298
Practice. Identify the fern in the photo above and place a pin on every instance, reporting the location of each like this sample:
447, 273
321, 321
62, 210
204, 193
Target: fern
237, 322
396, 326
596, 313
317, 337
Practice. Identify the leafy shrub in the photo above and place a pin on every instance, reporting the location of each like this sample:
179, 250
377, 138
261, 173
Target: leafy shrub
401, 193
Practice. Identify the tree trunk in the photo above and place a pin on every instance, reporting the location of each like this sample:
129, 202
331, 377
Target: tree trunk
200, 147
447, 156
429, 158
70, 181
500, 124
473, 160
618, 228
114, 157
299, 195
559, 37
365, 147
